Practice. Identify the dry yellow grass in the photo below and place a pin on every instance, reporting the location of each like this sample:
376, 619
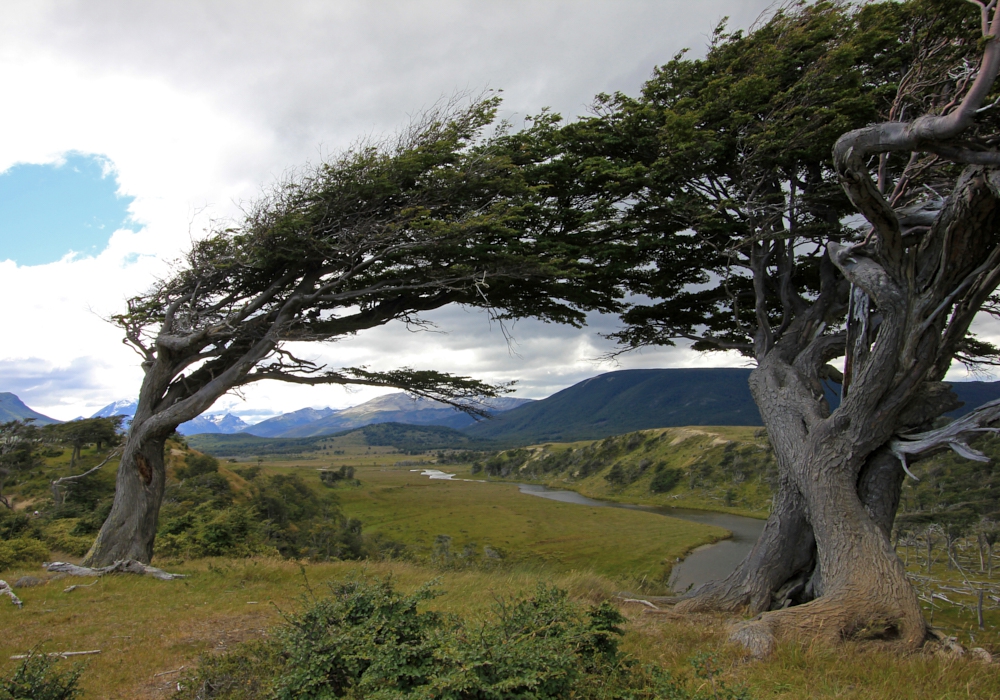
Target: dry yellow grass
146, 627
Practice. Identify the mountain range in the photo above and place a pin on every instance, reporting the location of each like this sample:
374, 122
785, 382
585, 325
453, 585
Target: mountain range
605, 405
309, 422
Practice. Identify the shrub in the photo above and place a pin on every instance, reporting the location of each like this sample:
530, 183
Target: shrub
21, 550
64, 536
13, 523
369, 641
35, 679
198, 464
665, 480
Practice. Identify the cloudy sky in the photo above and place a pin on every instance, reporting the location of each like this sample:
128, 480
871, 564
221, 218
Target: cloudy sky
128, 126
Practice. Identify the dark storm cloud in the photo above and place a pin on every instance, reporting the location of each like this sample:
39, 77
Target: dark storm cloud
326, 72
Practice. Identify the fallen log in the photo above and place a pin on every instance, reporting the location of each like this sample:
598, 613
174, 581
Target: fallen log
123, 566
59, 654
6, 590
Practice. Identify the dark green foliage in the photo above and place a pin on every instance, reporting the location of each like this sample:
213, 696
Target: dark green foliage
623, 475
19, 443
503, 463
665, 479
248, 674
331, 477
953, 492
369, 641
303, 523
14, 523
248, 473
37, 679
102, 432
201, 516
198, 464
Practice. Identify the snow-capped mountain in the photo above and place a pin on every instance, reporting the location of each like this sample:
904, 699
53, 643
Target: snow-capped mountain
217, 423
124, 407
205, 423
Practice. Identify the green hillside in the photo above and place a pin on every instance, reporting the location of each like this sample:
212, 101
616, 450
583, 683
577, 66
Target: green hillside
12, 408
621, 402
730, 469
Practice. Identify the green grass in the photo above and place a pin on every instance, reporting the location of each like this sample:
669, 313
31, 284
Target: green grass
144, 627
632, 545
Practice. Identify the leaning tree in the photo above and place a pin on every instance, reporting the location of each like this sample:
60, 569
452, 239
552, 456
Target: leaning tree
439, 215
820, 187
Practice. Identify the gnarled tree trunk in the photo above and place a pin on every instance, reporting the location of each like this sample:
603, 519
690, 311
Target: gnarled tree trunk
130, 529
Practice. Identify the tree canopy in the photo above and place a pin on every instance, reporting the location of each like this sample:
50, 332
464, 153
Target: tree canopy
440, 214
822, 186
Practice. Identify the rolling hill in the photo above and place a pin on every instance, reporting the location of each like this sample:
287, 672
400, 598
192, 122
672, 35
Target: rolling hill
405, 438
638, 399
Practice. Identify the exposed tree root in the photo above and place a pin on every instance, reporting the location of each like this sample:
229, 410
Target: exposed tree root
124, 566
831, 619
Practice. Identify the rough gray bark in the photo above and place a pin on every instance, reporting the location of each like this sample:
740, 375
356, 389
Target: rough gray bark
913, 295
130, 529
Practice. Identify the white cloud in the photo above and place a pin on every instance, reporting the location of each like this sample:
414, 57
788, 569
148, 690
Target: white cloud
197, 104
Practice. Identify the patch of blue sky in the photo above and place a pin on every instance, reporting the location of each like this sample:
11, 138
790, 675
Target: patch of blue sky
47, 211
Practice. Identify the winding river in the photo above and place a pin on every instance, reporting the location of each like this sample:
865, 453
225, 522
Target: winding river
708, 562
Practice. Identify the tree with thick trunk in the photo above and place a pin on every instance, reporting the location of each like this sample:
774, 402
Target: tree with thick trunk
382, 233
721, 176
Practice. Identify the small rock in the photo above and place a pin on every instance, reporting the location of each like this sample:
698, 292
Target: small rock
980, 654
29, 581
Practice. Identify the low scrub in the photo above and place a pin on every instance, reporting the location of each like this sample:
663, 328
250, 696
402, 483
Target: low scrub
21, 550
36, 678
366, 640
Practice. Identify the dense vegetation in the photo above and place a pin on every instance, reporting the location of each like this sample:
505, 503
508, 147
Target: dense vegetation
208, 510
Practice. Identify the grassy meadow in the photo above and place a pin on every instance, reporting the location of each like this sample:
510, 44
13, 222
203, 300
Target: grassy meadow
480, 519
151, 633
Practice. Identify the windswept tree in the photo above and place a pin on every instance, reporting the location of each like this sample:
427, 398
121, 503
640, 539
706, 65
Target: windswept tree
380, 234
77, 433
735, 183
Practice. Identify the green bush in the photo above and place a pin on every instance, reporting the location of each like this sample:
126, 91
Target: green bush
35, 679
64, 536
21, 550
665, 480
197, 464
369, 641
14, 523
204, 531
